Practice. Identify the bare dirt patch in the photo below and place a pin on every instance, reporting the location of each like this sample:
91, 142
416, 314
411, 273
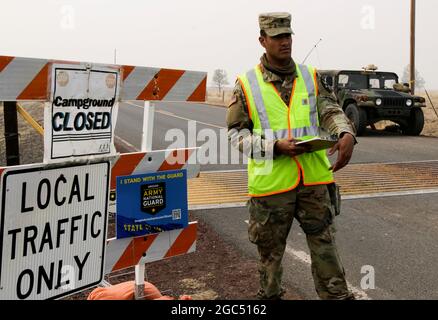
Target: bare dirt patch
431, 118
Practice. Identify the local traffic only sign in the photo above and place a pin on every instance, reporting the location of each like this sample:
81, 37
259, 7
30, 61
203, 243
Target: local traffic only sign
52, 229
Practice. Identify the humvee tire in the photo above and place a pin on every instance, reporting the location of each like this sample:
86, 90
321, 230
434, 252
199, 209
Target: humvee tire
358, 116
415, 123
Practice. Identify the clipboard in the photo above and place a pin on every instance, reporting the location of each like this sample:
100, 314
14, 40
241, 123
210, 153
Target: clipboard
317, 143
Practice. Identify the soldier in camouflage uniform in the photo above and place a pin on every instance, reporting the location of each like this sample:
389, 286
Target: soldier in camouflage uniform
313, 206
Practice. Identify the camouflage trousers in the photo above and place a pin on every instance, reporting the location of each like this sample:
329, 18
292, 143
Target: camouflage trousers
269, 225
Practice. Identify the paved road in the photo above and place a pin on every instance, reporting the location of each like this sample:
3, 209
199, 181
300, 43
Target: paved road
397, 236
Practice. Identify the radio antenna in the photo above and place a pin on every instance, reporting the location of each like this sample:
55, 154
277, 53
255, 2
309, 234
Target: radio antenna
314, 47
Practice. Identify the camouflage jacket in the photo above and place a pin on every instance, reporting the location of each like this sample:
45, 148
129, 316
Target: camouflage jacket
331, 117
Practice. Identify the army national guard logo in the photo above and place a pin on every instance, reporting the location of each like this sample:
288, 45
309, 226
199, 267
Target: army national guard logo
153, 197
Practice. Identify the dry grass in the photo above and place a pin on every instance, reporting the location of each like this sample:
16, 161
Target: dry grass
431, 119
222, 98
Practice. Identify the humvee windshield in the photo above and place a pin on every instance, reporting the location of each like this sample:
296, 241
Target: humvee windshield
367, 81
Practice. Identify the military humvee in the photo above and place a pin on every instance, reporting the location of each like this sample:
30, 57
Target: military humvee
369, 96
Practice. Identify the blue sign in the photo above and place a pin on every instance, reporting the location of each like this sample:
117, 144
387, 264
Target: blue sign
151, 203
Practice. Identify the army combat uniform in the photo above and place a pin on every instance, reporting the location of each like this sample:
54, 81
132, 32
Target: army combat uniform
313, 206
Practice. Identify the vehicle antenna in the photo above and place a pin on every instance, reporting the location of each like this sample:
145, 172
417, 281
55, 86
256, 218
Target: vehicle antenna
431, 103
314, 47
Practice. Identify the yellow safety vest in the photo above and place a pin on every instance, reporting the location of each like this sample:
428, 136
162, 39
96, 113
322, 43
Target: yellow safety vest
273, 119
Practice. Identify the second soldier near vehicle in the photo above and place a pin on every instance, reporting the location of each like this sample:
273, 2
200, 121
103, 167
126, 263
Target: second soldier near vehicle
274, 105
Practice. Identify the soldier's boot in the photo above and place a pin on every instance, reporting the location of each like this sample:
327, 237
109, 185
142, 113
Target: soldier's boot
261, 295
327, 271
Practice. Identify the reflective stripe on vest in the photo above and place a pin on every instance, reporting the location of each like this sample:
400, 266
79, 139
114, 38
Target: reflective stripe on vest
310, 85
258, 99
297, 132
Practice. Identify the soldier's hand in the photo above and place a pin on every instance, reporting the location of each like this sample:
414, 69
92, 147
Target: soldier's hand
345, 148
288, 147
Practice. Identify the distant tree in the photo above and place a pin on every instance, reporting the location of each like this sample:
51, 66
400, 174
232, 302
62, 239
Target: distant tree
419, 80
220, 78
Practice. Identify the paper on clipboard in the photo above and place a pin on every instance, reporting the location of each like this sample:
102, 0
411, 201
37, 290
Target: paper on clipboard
317, 143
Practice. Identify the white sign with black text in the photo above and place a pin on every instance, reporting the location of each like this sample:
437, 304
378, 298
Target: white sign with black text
52, 230
81, 117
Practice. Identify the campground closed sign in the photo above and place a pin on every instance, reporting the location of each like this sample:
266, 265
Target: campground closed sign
52, 229
83, 112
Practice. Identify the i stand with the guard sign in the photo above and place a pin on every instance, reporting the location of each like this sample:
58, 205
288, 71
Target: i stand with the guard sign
151, 203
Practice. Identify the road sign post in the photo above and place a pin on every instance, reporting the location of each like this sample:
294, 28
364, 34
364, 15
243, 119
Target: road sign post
148, 126
11, 133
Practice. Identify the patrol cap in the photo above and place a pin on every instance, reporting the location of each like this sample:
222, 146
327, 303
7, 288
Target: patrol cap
275, 23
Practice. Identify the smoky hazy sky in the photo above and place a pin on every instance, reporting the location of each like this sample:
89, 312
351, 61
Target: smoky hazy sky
207, 35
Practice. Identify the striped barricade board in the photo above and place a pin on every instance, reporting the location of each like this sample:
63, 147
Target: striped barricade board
28, 79
154, 161
128, 252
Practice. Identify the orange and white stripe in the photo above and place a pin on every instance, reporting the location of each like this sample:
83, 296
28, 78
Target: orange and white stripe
128, 252
140, 83
23, 79
152, 161
155, 161
28, 79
